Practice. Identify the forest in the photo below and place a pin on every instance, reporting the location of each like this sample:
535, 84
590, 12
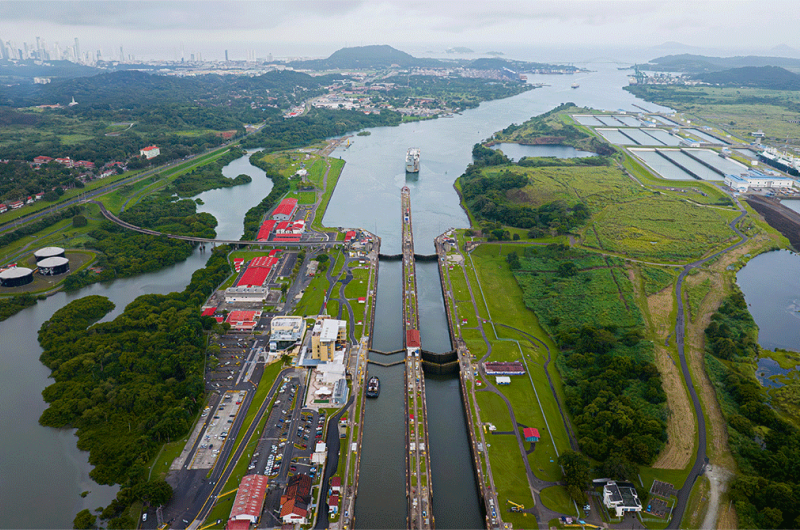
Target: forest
487, 199
131, 384
766, 446
315, 125
613, 388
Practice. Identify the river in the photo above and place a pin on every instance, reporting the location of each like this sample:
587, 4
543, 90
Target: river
43, 472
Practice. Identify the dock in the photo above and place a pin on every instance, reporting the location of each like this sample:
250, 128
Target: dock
419, 491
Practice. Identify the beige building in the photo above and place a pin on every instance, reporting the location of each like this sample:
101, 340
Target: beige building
326, 334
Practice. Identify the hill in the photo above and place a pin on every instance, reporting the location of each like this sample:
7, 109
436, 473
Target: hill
767, 77
696, 64
363, 57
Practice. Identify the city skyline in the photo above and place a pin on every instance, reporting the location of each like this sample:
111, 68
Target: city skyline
248, 30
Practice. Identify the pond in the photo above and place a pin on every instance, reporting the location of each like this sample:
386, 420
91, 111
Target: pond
517, 151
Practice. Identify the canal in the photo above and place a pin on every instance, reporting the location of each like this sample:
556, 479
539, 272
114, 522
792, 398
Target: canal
43, 463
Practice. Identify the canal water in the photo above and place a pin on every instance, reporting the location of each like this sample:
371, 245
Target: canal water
43, 472
42, 463
382, 480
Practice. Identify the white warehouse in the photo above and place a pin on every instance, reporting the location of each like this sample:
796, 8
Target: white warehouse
757, 179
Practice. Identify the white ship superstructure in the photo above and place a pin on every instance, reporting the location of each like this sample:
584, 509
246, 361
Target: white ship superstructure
778, 159
412, 160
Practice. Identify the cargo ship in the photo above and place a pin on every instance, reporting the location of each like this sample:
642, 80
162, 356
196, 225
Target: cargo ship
779, 160
373, 387
412, 160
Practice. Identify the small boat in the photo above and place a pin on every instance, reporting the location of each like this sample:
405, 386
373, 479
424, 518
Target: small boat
575, 85
373, 387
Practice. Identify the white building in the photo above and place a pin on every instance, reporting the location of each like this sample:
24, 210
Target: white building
621, 498
757, 179
150, 152
285, 332
246, 294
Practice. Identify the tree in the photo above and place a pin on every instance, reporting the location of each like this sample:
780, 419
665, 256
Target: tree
513, 260
576, 474
84, 520
567, 269
50, 196
79, 221
155, 492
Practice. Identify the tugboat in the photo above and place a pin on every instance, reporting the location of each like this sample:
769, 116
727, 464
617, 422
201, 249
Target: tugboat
373, 387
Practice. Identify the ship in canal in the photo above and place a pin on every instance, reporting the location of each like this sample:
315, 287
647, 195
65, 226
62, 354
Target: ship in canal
373, 387
412, 160
777, 159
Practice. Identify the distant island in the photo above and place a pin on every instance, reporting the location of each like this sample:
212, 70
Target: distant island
696, 64
494, 54
459, 49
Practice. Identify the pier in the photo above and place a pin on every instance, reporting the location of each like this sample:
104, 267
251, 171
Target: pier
418, 470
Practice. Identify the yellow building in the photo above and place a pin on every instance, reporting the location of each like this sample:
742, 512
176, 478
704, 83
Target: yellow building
326, 334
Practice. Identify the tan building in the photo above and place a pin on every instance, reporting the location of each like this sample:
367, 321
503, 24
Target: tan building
326, 334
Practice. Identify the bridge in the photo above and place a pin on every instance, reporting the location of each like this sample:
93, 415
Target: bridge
419, 491
318, 239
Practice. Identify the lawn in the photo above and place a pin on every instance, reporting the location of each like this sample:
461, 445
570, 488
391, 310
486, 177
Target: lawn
557, 499
313, 297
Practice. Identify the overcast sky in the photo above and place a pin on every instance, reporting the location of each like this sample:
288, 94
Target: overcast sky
525, 29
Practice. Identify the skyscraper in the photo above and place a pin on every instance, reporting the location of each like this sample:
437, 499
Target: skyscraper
226, 56
77, 50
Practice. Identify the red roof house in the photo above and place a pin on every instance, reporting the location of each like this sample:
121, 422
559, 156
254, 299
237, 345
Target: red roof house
249, 498
285, 210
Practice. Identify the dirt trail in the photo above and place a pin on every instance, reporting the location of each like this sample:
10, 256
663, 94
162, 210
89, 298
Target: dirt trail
718, 479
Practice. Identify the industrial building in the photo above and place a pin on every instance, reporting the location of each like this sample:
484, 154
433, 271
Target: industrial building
48, 252
504, 368
246, 294
249, 502
756, 179
16, 276
285, 332
621, 498
285, 210
53, 266
325, 336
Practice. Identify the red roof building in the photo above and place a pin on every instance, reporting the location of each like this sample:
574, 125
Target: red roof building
349, 235
412, 338
243, 320
266, 229
208, 311
249, 499
42, 160
285, 210
65, 161
530, 434
237, 264
263, 262
149, 152
242, 524
504, 368
253, 277
336, 484
274, 252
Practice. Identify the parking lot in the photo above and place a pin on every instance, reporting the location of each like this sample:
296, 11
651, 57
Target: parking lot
219, 420
232, 354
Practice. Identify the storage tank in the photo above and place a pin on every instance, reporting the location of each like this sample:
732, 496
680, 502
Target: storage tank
48, 252
53, 266
16, 276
